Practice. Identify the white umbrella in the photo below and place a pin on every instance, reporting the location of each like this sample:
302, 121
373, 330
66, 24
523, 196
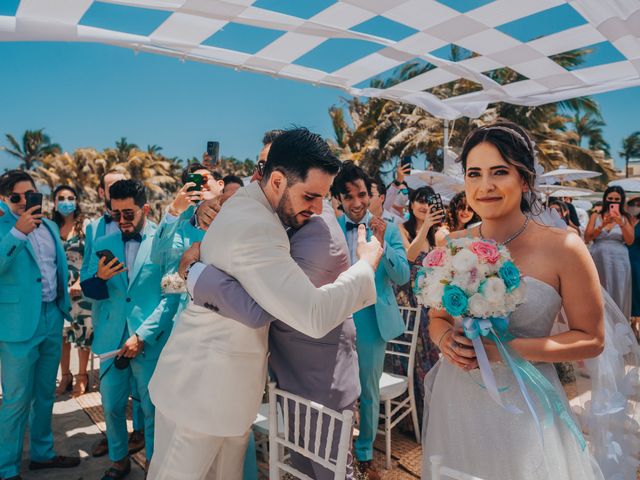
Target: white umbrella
564, 191
627, 184
564, 174
583, 204
420, 178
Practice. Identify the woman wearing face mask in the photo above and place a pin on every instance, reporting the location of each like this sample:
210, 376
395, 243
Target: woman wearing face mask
610, 232
464, 425
459, 217
71, 222
418, 235
633, 208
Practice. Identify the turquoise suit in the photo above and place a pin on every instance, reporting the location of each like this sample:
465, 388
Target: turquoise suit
169, 243
375, 325
97, 229
128, 307
171, 240
30, 346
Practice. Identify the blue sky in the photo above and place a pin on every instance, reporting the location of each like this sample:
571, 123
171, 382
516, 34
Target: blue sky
91, 95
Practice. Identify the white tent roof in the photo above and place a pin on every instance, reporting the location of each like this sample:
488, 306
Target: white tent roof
433, 25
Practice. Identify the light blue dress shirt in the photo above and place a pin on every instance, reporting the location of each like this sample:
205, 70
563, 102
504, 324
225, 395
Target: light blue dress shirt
44, 247
131, 249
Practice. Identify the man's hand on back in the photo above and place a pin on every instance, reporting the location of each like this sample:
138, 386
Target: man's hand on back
190, 256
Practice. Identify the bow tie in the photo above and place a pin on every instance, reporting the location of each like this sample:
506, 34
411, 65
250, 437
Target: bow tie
131, 236
107, 218
351, 226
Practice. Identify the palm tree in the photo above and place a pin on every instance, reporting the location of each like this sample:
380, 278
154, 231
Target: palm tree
123, 148
34, 146
154, 149
630, 149
586, 125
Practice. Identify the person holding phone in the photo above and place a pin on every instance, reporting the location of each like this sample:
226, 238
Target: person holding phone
611, 231
34, 301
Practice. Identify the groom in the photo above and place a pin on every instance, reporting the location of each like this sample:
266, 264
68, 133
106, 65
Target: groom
210, 377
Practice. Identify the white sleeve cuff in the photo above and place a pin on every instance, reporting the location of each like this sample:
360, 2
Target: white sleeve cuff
169, 218
194, 273
18, 234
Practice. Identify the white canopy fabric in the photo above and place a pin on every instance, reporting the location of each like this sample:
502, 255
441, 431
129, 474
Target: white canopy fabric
435, 25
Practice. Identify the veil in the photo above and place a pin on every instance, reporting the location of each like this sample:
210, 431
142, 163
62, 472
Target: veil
607, 387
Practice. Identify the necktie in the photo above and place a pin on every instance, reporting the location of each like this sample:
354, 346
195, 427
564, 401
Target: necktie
131, 236
351, 226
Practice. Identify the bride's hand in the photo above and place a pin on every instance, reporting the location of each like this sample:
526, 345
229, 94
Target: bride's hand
458, 350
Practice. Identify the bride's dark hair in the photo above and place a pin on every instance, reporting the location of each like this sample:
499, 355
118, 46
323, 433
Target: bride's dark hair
515, 147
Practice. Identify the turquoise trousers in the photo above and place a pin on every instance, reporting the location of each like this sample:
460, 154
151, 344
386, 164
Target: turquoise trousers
28, 372
370, 347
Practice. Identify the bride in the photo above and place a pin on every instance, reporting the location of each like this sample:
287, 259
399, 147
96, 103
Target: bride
463, 425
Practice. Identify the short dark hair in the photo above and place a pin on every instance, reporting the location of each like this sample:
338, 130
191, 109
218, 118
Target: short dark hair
297, 151
232, 179
123, 189
270, 136
120, 170
349, 173
9, 179
194, 167
382, 188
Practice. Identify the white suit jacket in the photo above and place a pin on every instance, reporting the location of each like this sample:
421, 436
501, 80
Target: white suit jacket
211, 374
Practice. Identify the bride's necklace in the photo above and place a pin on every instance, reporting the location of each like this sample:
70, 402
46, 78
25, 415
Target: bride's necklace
512, 237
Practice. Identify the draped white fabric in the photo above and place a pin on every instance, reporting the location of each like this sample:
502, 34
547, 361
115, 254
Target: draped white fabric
191, 22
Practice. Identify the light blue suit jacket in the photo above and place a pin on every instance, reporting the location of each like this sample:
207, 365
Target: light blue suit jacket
131, 307
393, 269
172, 239
20, 282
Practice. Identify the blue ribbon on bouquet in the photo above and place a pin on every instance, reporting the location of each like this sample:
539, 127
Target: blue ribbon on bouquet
496, 329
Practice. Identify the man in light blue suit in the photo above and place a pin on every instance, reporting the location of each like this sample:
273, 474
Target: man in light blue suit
34, 300
377, 324
98, 228
135, 319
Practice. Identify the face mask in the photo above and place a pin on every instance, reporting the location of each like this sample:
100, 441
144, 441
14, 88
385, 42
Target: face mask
633, 211
66, 207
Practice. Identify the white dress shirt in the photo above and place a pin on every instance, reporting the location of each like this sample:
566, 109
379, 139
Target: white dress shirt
352, 235
44, 247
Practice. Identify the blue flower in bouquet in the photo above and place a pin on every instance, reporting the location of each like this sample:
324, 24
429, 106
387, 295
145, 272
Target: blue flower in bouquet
510, 275
454, 300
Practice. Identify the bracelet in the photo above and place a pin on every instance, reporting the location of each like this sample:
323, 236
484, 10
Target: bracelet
442, 336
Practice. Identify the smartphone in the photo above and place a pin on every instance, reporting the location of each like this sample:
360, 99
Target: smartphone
196, 178
107, 254
435, 203
213, 150
614, 209
406, 161
33, 199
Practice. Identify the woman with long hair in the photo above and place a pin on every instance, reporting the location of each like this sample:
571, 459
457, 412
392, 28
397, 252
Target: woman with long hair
633, 209
459, 217
611, 231
71, 222
464, 425
418, 235
565, 214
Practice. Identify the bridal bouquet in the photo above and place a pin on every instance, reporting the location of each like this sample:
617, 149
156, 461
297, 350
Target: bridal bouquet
172, 283
470, 278
477, 283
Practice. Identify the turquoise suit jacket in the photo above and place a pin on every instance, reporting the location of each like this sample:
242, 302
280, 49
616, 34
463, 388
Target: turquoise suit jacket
20, 282
172, 239
95, 229
130, 307
393, 269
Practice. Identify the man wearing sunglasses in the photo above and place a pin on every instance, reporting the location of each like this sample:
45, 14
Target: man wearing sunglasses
135, 318
98, 228
34, 300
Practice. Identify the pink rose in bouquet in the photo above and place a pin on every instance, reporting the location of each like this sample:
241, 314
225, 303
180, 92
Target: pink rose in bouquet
435, 258
485, 251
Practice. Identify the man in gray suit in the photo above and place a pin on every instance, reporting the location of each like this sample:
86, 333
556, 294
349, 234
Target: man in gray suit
324, 370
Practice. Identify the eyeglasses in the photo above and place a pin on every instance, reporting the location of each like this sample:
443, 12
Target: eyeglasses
15, 197
126, 215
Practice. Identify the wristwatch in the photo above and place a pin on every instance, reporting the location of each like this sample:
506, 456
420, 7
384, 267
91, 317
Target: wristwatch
186, 271
397, 183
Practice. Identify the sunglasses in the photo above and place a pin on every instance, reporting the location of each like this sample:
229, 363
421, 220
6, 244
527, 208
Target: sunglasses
70, 198
127, 215
15, 197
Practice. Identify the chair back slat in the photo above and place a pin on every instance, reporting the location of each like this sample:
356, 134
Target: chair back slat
298, 441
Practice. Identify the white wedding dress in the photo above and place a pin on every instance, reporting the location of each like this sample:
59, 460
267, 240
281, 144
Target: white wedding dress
474, 435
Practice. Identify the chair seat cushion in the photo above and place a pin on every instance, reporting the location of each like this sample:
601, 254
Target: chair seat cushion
392, 386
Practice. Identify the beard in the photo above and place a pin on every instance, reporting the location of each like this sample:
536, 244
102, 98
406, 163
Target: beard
287, 214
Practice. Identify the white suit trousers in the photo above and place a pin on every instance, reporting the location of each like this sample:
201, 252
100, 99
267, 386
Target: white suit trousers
184, 454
